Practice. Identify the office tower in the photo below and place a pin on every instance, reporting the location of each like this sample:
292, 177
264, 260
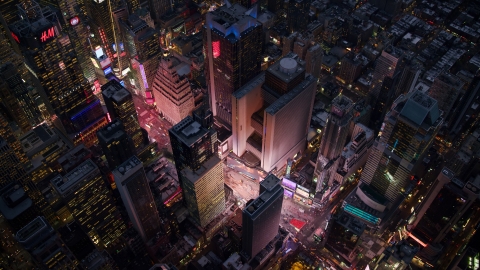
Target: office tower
12, 168
203, 190
344, 232
407, 132
445, 204
297, 15
313, 60
334, 138
192, 144
137, 197
50, 56
91, 203
16, 206
446, 89
6, 133
233, 55
350, 69
396, 257
102, 25
45, 245
173, 94
261, 217
15, 96
76, 25
143, 48
117, 146
409, 78
72, 158
385, 66
119, 103
200, 170
272, 113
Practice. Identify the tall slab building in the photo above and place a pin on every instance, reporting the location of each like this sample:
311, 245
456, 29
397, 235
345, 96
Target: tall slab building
261, 217
132, 183
232, 41
406, 134
200, 170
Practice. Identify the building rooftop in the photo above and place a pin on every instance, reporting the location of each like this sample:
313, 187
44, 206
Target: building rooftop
115, 91
14, 201
125, 167
420, 108
288, 68
249, 86
112, 131
31, 230
255, 207
232, 20
188, 130
285, 99
63, 185
194, 176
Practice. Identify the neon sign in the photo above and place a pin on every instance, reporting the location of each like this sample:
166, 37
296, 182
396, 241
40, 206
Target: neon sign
216, 49
47, 34
15, 37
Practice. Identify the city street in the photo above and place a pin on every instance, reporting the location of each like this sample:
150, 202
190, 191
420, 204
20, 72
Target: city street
156, 127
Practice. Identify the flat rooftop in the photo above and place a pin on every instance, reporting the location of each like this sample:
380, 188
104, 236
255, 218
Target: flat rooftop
115, 91
194, 176
64, 184
188, 130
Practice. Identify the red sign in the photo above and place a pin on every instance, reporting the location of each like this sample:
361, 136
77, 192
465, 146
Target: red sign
74, 21
15, 37
216, 49
47, 34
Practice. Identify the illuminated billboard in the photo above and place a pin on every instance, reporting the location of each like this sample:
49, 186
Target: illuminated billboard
289, 184
288, 193
107, 70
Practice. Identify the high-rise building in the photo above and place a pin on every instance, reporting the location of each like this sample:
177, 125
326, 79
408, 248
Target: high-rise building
6, 133
142, 44
272, 113
385, 66
334, 138
261, 217
445, 204
137, 197
15, 95
50, 56
45, 245
117, 146
203, 190
16, 206
173, 94
407, 132
233, 55
350, 69
200, 171
119, 103
313, 60
192, 143
445, 89
91, 203
297, 15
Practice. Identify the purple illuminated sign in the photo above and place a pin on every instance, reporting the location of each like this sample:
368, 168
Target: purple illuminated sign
289, 184
142, 71
288, 193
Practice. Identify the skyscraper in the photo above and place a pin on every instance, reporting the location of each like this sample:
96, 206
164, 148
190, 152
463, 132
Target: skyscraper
297, 15
86, 195
448, 199
16, 98
200, 170
272, 113
173, 94
116, 144
334, 138
137, 197
143, 48
50, 56
192, 144
407, 132
445, 89
119, 103
233, 44
45, 245
203, 190
385, 66
261, 217
16, 206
